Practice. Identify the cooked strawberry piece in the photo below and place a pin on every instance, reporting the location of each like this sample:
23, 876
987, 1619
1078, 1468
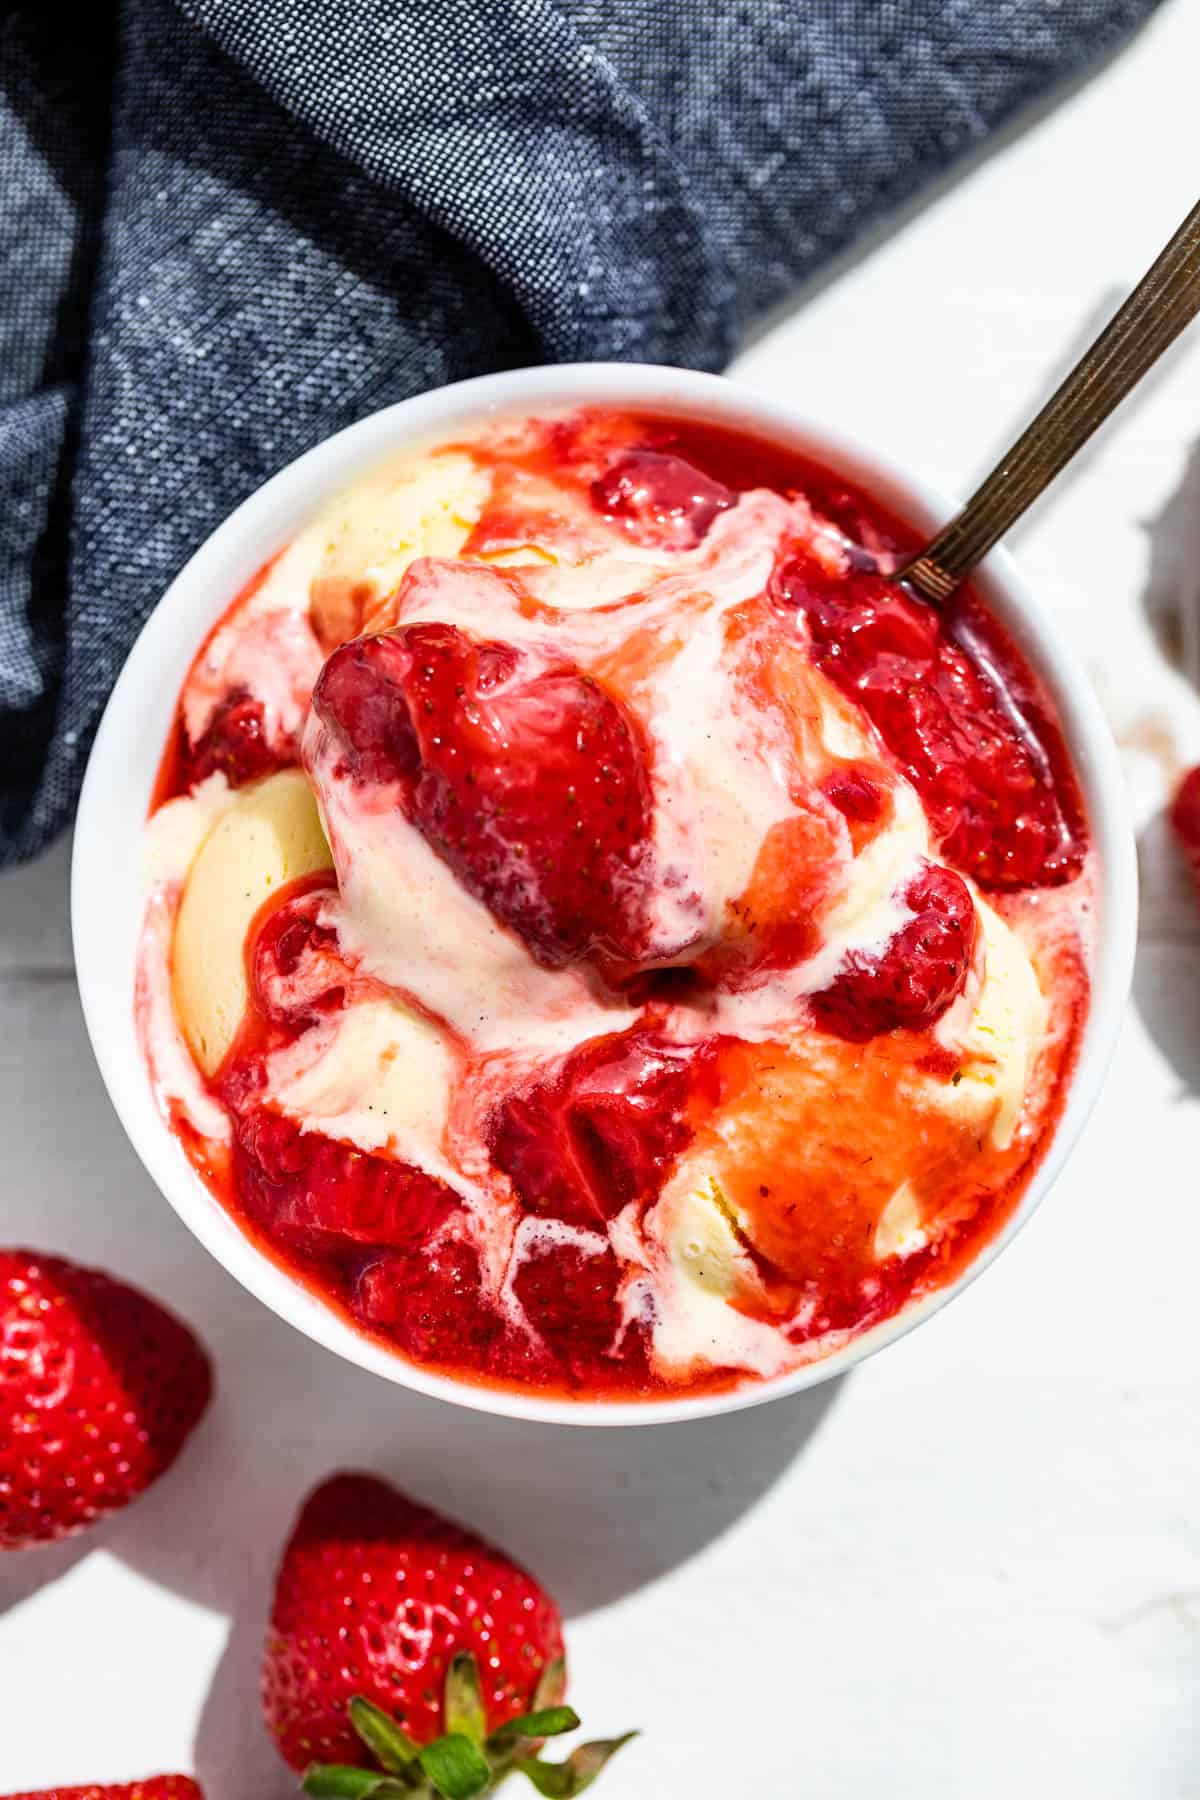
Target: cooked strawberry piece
235, 744
289, 936
601, 1130
323, 1199
570, 1298
295, 967
661, 499
527, 778
856, 794
988, 763
923, 968
427, 1299
362, 692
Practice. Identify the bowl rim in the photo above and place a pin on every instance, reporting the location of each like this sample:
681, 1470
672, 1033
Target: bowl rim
125, 756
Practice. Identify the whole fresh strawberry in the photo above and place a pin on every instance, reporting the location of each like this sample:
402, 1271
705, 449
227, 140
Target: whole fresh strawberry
395, 1630
1185, 821
154, 1787
99, 1387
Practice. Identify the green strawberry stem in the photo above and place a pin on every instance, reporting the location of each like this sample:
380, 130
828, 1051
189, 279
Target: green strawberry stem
464, 1762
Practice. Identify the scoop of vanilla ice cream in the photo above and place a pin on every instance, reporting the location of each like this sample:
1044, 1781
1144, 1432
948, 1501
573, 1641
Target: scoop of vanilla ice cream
372, 533
405, 918
877, 1147
706, 1299
722, 768
375, 1075
997, 1030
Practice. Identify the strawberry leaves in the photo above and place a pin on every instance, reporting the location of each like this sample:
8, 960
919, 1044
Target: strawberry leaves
549, 1723
561, 1781
465, 1761
339, 1781
456, 1767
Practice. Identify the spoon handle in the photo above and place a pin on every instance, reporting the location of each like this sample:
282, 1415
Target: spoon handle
1163, 302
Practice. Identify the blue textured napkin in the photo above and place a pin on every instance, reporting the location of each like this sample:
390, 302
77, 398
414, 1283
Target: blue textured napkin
228, 227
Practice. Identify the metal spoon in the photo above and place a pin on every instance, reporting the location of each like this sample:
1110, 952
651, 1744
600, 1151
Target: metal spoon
1164, 301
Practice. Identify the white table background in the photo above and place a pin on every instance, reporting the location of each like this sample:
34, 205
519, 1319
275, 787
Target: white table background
972, 1568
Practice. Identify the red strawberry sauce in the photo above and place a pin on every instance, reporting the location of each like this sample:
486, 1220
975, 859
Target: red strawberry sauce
533, 783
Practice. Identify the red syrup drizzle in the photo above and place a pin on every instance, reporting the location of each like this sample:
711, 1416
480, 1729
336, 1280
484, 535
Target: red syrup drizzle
599, 1130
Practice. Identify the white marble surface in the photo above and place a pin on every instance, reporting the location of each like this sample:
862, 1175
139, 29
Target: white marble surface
971, 1568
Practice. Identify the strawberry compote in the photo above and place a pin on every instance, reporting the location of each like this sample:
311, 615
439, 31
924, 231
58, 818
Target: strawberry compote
605, 935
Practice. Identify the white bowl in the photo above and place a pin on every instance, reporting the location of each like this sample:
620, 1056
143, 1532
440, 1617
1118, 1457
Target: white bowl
107, 900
